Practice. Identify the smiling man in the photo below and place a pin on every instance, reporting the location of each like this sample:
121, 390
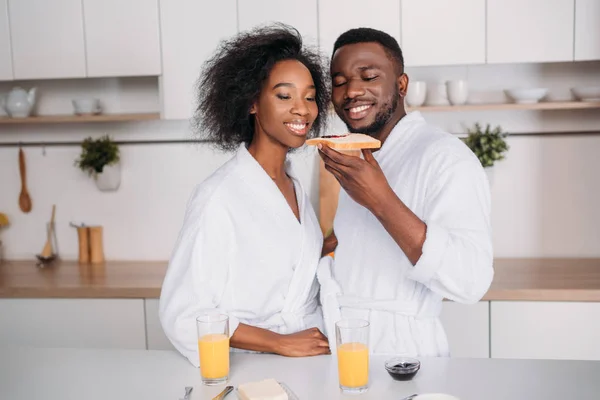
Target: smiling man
413, 218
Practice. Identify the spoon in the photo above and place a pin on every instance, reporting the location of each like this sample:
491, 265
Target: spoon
24, 199
224, 393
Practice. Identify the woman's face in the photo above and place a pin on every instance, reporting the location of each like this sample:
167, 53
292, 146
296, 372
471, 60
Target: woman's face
286, 107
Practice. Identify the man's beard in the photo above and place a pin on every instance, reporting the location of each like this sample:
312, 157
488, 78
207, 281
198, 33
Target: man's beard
382, 117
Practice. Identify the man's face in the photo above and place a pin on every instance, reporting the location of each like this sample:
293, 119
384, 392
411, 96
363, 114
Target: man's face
366, 87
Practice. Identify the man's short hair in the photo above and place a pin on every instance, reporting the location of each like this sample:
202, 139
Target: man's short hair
369, 35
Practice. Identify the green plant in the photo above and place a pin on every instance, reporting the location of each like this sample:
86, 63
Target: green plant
95, 154
489, 146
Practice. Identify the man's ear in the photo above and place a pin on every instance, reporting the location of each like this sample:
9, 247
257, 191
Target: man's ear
402, 84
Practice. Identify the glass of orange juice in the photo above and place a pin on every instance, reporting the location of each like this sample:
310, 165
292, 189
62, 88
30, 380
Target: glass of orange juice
213, 347
352, 339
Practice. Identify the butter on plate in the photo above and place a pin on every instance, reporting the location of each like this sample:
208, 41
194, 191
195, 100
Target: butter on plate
268, 389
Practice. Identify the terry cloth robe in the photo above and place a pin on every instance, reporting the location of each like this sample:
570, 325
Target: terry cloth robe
241, 250
444, 184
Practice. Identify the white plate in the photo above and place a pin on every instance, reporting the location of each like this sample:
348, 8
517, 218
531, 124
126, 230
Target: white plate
288, 391
435, 396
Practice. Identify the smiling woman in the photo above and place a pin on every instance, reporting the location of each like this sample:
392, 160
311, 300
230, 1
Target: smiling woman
250, 242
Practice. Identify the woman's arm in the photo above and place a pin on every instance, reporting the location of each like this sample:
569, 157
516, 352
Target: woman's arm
310, 342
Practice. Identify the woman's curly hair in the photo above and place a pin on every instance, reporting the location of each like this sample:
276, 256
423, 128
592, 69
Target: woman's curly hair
232, 79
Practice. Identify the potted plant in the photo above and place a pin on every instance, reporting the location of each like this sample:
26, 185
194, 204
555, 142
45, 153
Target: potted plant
489, 146
100, 159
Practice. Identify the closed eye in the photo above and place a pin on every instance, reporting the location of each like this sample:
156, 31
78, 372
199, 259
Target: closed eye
370, 78
283, 96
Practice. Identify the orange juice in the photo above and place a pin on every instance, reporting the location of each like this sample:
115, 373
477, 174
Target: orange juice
353, 365
214, 356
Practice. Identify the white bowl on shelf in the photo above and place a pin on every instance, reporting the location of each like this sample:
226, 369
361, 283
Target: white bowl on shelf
526, 96
587, 93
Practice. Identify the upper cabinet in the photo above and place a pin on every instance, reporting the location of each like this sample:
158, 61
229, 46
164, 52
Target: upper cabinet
587, 30
302, 15
47, 39
122, 37
6, 72
530, 30
190, 33
441, 32
337, 16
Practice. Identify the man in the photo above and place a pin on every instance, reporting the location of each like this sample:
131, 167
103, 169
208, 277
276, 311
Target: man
413, 218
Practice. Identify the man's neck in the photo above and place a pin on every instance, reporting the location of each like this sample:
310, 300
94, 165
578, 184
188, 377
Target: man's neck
385, 132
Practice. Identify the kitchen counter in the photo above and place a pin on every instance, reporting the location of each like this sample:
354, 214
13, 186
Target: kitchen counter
98, 374
536, 279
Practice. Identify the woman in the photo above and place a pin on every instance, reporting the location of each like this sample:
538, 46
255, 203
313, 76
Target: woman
250, 241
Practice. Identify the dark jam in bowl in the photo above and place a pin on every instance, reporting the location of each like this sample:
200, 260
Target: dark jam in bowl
402, 368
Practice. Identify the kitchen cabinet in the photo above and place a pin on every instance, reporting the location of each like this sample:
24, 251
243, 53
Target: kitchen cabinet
587, 30
467, 327
337, 16
439, 32
302, 15
190, 32
47, 39
122, 37
157, 340
83, 323
529, 31
6, 73
545, 330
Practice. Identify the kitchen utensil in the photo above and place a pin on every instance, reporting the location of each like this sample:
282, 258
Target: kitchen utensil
416, 93
434, 396
458, 92
224, 393
188, 390
47, 250
587, 93
24, 199
96, 245
412, 396
86, 106
527, 96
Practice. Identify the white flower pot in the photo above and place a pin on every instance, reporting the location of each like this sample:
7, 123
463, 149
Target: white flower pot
110, 178
490, 174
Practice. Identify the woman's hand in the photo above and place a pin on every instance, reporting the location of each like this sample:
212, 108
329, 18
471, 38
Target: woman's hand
310, 342
329, 244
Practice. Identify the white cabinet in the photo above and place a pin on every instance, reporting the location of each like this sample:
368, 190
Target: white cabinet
6, 72
190, 33
337, 16
439, 32
122, 37
545, 330
47, 38
467, 327
157, 340
587, 30
97, 323
302, 15
529, 31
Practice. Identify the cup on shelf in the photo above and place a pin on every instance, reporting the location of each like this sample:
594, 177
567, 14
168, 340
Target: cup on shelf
416, 93
437, 95
86, 106
458, 92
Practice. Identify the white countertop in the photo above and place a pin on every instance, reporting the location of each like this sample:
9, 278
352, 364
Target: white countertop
87, 374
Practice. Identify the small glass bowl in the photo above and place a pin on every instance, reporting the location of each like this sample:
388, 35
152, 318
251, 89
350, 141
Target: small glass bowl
402, 368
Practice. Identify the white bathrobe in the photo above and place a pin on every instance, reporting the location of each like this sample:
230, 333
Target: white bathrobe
444, 184
241, 250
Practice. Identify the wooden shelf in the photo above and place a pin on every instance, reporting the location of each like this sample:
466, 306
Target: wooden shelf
554, 105
49, 119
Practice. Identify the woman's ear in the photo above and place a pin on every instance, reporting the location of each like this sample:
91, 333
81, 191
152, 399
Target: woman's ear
253, 109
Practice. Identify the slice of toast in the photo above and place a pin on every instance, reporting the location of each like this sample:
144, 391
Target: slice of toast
350, 141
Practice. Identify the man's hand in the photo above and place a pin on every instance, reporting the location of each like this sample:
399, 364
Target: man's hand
329, 244
310, 342
363, 180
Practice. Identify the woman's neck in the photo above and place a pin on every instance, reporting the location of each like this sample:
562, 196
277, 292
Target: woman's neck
270, 155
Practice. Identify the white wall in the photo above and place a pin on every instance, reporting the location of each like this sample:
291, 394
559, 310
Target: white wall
546, 195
